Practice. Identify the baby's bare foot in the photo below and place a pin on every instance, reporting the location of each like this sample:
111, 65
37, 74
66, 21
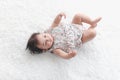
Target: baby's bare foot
94, 22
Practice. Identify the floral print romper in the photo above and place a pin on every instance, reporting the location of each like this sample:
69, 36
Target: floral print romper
66, 36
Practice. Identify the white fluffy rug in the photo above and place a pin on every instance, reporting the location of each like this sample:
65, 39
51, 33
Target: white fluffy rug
98, 59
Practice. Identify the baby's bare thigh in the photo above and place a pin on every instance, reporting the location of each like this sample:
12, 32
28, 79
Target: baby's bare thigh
88, 35
77, 19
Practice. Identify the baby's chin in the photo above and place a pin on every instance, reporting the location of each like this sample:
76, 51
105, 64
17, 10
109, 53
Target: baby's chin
50, 46
52, 39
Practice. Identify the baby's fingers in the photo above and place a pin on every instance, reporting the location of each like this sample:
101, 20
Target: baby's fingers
73, 53
63, 14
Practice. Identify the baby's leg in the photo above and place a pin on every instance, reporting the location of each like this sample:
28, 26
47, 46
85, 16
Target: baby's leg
88, 35
94, 22
79, 18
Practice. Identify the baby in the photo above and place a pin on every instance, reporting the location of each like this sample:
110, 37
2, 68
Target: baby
62, 39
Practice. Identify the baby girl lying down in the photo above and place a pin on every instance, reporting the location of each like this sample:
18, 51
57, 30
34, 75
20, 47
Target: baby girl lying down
62, 39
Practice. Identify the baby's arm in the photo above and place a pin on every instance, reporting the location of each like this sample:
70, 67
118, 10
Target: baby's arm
63, 54
58, 19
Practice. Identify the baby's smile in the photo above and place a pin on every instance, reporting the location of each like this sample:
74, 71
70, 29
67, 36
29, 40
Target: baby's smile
45, 40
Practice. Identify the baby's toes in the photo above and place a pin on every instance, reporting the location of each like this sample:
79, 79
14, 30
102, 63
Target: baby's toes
96, 20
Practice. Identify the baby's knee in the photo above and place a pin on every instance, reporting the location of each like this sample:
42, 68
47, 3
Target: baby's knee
93, 33
77, 15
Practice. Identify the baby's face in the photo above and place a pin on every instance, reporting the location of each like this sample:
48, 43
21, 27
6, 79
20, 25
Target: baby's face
45, 41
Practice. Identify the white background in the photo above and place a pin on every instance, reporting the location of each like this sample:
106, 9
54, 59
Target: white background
98, 59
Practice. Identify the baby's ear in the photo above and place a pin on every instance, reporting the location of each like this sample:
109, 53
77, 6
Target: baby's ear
44, 50
37, 45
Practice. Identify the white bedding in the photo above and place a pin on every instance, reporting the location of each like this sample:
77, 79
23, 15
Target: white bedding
98, 59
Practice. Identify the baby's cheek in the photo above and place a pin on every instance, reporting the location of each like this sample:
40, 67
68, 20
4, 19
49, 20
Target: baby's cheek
48, 43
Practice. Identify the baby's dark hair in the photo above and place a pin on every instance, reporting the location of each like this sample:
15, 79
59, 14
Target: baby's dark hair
32, 44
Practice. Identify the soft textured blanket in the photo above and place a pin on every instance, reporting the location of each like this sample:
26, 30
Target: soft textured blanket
98, 59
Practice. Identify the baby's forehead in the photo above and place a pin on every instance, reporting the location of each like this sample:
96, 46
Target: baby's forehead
41, 34
40, 37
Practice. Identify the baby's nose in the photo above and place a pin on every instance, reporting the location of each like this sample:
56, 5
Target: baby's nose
47, 39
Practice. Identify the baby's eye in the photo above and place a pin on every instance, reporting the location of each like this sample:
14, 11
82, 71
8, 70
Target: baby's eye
44, 36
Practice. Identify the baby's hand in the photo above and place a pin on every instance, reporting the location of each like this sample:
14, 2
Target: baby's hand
62, 14
72, 53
